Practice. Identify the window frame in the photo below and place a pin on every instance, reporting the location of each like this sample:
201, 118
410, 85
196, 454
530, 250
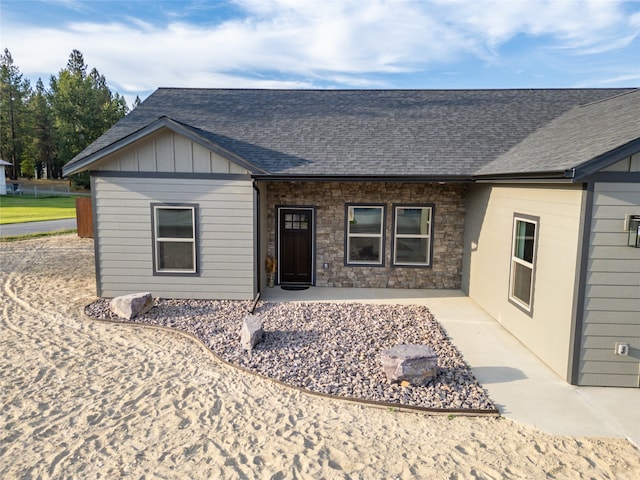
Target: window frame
348, 235
514, 259
156, 239
428, 236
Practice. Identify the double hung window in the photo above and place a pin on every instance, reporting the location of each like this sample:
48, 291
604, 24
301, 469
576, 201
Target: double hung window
365, 235
174, 239
523, 260
412, 232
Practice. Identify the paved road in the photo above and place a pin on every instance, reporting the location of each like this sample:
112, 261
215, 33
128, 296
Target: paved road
37, 227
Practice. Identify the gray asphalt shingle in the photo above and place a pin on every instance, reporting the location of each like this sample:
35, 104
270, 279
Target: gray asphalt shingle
359, 132
577, 137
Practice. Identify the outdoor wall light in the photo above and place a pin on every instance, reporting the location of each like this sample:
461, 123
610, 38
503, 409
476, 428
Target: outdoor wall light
634, 231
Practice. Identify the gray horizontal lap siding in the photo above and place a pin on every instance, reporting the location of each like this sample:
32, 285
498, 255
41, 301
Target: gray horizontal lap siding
612, 291
225, 236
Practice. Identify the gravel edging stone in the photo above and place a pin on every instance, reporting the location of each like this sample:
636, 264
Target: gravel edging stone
327, 348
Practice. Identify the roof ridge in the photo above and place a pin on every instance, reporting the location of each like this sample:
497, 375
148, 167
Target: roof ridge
621, 94
365, 90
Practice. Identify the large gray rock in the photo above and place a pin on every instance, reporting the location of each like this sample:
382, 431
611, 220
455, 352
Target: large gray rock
132, 305
251, 332
416, 364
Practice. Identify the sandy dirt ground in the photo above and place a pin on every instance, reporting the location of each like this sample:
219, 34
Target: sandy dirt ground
82, 399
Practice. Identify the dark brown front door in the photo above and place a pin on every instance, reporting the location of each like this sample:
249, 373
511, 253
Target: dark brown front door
296, 245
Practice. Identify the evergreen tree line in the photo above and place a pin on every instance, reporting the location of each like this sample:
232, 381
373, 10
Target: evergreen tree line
42, 129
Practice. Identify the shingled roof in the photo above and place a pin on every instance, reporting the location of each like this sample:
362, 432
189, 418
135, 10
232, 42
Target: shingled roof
578, 139
386, 133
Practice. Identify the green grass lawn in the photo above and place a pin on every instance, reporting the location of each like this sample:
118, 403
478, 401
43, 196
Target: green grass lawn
25, 208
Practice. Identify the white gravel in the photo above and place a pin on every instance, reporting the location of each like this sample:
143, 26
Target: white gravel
328, 348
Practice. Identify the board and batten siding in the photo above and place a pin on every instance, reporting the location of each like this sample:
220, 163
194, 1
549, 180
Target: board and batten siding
167, 151
612, 291
487, 262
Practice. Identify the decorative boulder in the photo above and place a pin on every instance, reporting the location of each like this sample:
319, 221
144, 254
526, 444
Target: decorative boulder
251, 333
415, 364
132, 305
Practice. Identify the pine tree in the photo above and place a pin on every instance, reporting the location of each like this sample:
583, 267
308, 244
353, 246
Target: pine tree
41, 149
83, 108
14, 96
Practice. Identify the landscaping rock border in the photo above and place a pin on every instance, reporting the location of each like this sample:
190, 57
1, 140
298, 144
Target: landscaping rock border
327, 348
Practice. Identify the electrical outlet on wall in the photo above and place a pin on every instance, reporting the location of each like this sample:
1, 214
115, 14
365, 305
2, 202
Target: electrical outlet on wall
622, 349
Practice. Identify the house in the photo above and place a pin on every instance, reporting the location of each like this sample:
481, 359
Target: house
524, 199
3, 178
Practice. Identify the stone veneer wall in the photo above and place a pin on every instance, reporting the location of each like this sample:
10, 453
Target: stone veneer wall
330, 198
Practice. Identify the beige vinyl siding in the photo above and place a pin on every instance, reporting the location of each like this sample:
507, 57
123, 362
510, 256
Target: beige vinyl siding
166, 151
612, 291
488, 242
225, 236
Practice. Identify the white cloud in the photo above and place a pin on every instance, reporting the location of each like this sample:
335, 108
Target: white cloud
624, 79
574, 24
305, 43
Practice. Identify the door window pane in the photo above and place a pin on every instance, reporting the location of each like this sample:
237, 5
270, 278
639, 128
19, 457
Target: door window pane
296, 221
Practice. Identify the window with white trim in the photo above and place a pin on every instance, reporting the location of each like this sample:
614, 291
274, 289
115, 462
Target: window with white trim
523, 261
412, 231
365, 235
174, 239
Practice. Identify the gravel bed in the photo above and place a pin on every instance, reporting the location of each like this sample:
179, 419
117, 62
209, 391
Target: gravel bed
328, 348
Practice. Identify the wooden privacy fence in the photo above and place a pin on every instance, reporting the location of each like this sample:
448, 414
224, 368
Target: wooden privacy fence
84, 217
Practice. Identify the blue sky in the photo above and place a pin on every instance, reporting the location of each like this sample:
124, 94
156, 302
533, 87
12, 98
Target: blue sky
142, 45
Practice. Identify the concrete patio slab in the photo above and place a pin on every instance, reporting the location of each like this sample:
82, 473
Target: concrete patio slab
524, 388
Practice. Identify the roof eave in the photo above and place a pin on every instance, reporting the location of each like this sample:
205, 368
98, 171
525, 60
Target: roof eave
597, 164
553, 176
577, 174
363, 178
